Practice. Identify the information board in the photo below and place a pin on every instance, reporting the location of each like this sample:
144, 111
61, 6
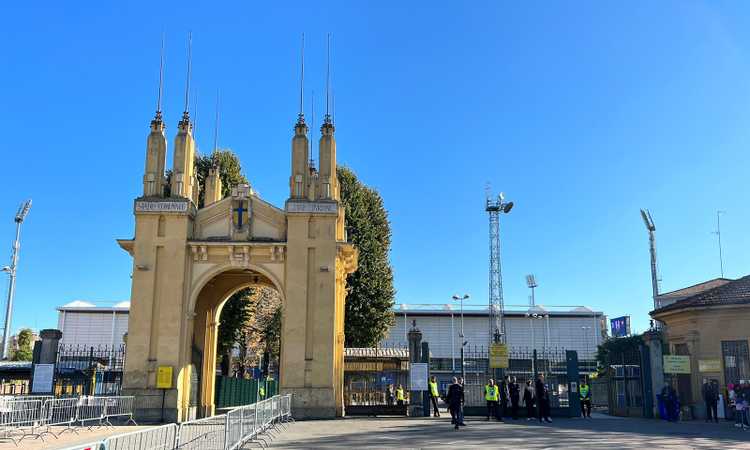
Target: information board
676, 364
44, 374
418, 374
709, 365
620, 326
498, 356
164, 377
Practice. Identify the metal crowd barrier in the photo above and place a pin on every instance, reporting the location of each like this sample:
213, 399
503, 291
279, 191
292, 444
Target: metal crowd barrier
60, 412
119, 406
208, 433
158, 438
20, 417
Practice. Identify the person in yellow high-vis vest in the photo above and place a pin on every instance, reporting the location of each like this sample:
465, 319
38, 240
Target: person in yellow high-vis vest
434, 395
400, 396
492, 395
585, 395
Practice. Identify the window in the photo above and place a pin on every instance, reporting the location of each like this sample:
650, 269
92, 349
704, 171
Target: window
736, 361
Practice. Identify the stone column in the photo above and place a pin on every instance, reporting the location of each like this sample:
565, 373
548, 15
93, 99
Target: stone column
652, 340
415, 356
49, 344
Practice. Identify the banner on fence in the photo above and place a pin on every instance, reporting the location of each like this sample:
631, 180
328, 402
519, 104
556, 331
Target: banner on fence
676, 364
498, 356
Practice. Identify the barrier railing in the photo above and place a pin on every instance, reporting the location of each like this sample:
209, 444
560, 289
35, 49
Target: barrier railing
230, 431
158, 438
208, 433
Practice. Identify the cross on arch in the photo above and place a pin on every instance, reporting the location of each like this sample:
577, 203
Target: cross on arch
240, 209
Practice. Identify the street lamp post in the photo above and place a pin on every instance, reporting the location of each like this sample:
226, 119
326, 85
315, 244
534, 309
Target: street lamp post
11, 270
461, 335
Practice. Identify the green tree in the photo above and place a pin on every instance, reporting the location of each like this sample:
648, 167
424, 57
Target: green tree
24, 351
237, 311
624, 350
370, 296
230, 172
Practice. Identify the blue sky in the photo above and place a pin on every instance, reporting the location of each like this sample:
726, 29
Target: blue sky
581, 113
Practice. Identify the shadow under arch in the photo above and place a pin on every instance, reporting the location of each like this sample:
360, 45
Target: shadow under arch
213, 290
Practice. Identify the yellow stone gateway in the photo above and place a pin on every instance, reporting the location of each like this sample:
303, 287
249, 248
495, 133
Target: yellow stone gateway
187, 262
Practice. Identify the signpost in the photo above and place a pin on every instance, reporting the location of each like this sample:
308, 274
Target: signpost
44, 375
163, 382
676, 364
498, 356
418, 375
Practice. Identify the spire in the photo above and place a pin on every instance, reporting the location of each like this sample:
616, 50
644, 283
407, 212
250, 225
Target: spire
216, 130
301, 115
312, 115
327, 118
157, 117
185, 122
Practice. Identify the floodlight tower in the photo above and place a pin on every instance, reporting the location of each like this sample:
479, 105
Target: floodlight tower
531, 283
23, 210
646, 215
495, 206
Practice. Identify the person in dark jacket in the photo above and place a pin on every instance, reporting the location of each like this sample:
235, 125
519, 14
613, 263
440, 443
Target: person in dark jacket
504, 396
515, 397
528, 400
711, 398
542, 399
455, 398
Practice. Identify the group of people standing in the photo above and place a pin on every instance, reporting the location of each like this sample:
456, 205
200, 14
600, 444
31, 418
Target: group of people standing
503, 399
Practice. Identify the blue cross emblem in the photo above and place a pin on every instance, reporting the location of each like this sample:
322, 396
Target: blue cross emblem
239, 210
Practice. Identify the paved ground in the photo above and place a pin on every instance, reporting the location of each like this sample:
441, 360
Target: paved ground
68, 439
602, 432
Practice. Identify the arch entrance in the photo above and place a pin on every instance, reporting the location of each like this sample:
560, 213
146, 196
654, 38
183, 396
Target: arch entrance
209, 304
188, 259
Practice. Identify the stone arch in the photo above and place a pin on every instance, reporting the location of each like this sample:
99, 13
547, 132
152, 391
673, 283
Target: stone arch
216, 289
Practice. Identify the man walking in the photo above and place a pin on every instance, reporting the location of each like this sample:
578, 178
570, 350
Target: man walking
455, 397
542, 398
491, 393
585, 395
434, 395
515, 397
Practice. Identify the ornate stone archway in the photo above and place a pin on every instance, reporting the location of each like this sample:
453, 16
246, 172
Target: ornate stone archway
187, 261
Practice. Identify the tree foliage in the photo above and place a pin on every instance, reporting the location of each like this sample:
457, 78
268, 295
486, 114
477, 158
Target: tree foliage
235, 313
24, 351
230, 172
619, 350
370, 296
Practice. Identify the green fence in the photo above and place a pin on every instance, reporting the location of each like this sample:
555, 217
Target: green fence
239, 391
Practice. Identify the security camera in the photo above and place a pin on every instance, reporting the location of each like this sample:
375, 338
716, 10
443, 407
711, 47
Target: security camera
6, 269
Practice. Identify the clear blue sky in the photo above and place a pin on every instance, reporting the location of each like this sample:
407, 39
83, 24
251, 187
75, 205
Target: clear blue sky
581, 113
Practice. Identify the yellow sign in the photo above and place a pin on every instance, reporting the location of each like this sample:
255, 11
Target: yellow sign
164, 377
498, 356
676, 364
709, 365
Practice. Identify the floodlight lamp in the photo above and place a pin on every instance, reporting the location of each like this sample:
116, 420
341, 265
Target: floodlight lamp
23, 211
507, 207
531, 280
5, 269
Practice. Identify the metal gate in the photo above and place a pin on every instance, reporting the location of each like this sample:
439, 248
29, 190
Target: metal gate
524, 363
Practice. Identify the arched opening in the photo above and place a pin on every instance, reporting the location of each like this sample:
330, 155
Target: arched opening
232, 356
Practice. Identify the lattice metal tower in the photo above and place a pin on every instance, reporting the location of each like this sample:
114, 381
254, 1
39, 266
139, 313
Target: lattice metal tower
494, 207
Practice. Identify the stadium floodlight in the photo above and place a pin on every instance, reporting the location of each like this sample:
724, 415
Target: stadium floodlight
531, 281
507, 207
646, 214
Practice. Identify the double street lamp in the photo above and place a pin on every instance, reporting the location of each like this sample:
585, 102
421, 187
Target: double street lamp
461, 334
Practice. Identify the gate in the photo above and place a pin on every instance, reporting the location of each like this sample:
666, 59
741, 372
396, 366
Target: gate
524, 363
367, 374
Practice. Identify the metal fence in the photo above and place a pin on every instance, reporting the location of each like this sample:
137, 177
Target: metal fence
523, 364
35, 416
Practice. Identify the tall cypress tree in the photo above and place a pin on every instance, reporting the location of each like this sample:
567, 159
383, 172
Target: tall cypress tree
370, 296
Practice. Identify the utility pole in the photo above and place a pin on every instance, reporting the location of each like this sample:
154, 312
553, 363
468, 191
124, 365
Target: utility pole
649, 222
718, 234
23, 210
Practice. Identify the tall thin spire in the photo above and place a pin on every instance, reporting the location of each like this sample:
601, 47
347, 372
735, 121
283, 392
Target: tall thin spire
189, 73
312, 115
327, 118
161, 80
216, 128
301, 116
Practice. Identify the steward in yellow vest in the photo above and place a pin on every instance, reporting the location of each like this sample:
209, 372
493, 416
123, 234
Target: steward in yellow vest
492, 394
400, 398
434, 395
585, 395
